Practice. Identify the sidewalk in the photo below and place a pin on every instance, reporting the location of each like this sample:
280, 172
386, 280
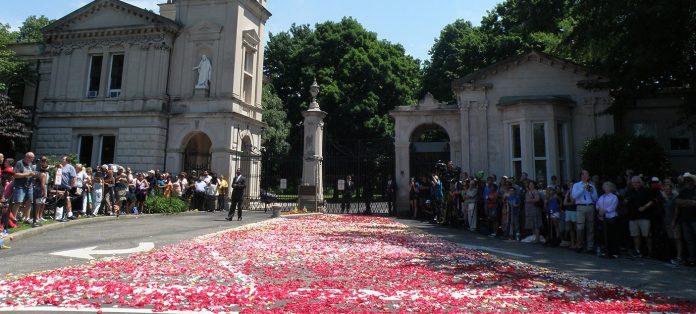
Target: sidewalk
645, 274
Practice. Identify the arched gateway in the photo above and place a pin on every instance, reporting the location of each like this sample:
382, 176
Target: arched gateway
197, 154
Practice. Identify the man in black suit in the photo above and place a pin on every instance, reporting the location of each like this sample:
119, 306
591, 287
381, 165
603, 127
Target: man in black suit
348, 189
238, 185
390, 194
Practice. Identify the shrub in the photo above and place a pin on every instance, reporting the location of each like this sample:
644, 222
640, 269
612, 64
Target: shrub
611, 154
163, 205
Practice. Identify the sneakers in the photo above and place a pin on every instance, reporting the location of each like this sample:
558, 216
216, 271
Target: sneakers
492, 235
636, 254
564, 243
677, 261
4, 247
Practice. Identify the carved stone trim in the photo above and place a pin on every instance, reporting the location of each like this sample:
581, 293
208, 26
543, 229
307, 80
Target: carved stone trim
251, 38
483, 106
158, 41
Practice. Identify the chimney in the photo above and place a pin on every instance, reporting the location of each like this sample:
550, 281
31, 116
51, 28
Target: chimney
168, 9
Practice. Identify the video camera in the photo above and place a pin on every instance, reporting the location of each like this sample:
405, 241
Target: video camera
449, 176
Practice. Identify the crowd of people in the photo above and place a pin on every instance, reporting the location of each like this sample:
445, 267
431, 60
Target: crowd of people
635, 215
75, 191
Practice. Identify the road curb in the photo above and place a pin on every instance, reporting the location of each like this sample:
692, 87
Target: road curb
81, 221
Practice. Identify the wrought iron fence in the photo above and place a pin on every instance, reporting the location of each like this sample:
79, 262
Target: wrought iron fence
370, 163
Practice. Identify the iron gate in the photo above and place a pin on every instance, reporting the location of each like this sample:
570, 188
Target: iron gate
370, 163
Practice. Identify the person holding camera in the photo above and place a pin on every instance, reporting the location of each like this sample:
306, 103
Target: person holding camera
584, 193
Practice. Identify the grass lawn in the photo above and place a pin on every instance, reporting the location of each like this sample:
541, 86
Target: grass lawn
23, 226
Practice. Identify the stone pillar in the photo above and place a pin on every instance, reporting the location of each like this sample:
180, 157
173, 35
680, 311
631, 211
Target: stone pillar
402, 157
312, 173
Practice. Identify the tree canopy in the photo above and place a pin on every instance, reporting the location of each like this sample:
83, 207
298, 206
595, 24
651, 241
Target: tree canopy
14, 75
275, 135
361, 76
611, 154
642, 46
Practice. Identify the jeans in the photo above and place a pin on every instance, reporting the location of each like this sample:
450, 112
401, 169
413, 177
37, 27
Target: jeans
689, 233
97, 198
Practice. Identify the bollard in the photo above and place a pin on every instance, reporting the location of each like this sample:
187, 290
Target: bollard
276, 211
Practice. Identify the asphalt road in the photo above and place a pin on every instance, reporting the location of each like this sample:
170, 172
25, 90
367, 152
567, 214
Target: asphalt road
31, 254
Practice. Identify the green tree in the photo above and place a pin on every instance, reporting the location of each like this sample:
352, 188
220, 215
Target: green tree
9, 65
30, 31
275, 135
14, 75
643, 46
361, 77
460, 49
12, 121
611, 154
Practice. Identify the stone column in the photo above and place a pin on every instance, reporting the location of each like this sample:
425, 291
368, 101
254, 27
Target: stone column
313, 152
402, 163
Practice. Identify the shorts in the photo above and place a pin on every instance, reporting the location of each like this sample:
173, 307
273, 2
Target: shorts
571, 216
40, 200
23, 194
675, 232
639, 228
555, 215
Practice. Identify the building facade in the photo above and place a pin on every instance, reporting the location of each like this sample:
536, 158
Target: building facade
530, 113
179, 90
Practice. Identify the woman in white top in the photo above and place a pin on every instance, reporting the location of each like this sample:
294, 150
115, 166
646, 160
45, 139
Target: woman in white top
606, 205
81, 180
211, 194
97, 193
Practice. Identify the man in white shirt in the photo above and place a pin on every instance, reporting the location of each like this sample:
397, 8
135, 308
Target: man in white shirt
200, 188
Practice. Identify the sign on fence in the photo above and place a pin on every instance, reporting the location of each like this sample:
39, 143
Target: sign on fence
283, 184
341, 185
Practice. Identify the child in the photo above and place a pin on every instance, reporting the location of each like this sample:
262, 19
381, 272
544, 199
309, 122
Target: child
513, 200
553, 211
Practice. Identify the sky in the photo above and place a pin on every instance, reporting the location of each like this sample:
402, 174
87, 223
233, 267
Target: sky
412, 23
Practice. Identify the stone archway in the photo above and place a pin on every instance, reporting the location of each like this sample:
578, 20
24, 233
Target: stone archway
197, 153
429, 144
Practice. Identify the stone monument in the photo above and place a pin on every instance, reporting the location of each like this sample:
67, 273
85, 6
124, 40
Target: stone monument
312, 196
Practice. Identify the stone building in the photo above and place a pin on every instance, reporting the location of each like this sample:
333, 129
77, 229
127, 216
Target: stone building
179, 90
530, 113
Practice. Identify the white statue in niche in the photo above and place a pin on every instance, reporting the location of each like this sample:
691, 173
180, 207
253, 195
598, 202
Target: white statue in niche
204, 72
